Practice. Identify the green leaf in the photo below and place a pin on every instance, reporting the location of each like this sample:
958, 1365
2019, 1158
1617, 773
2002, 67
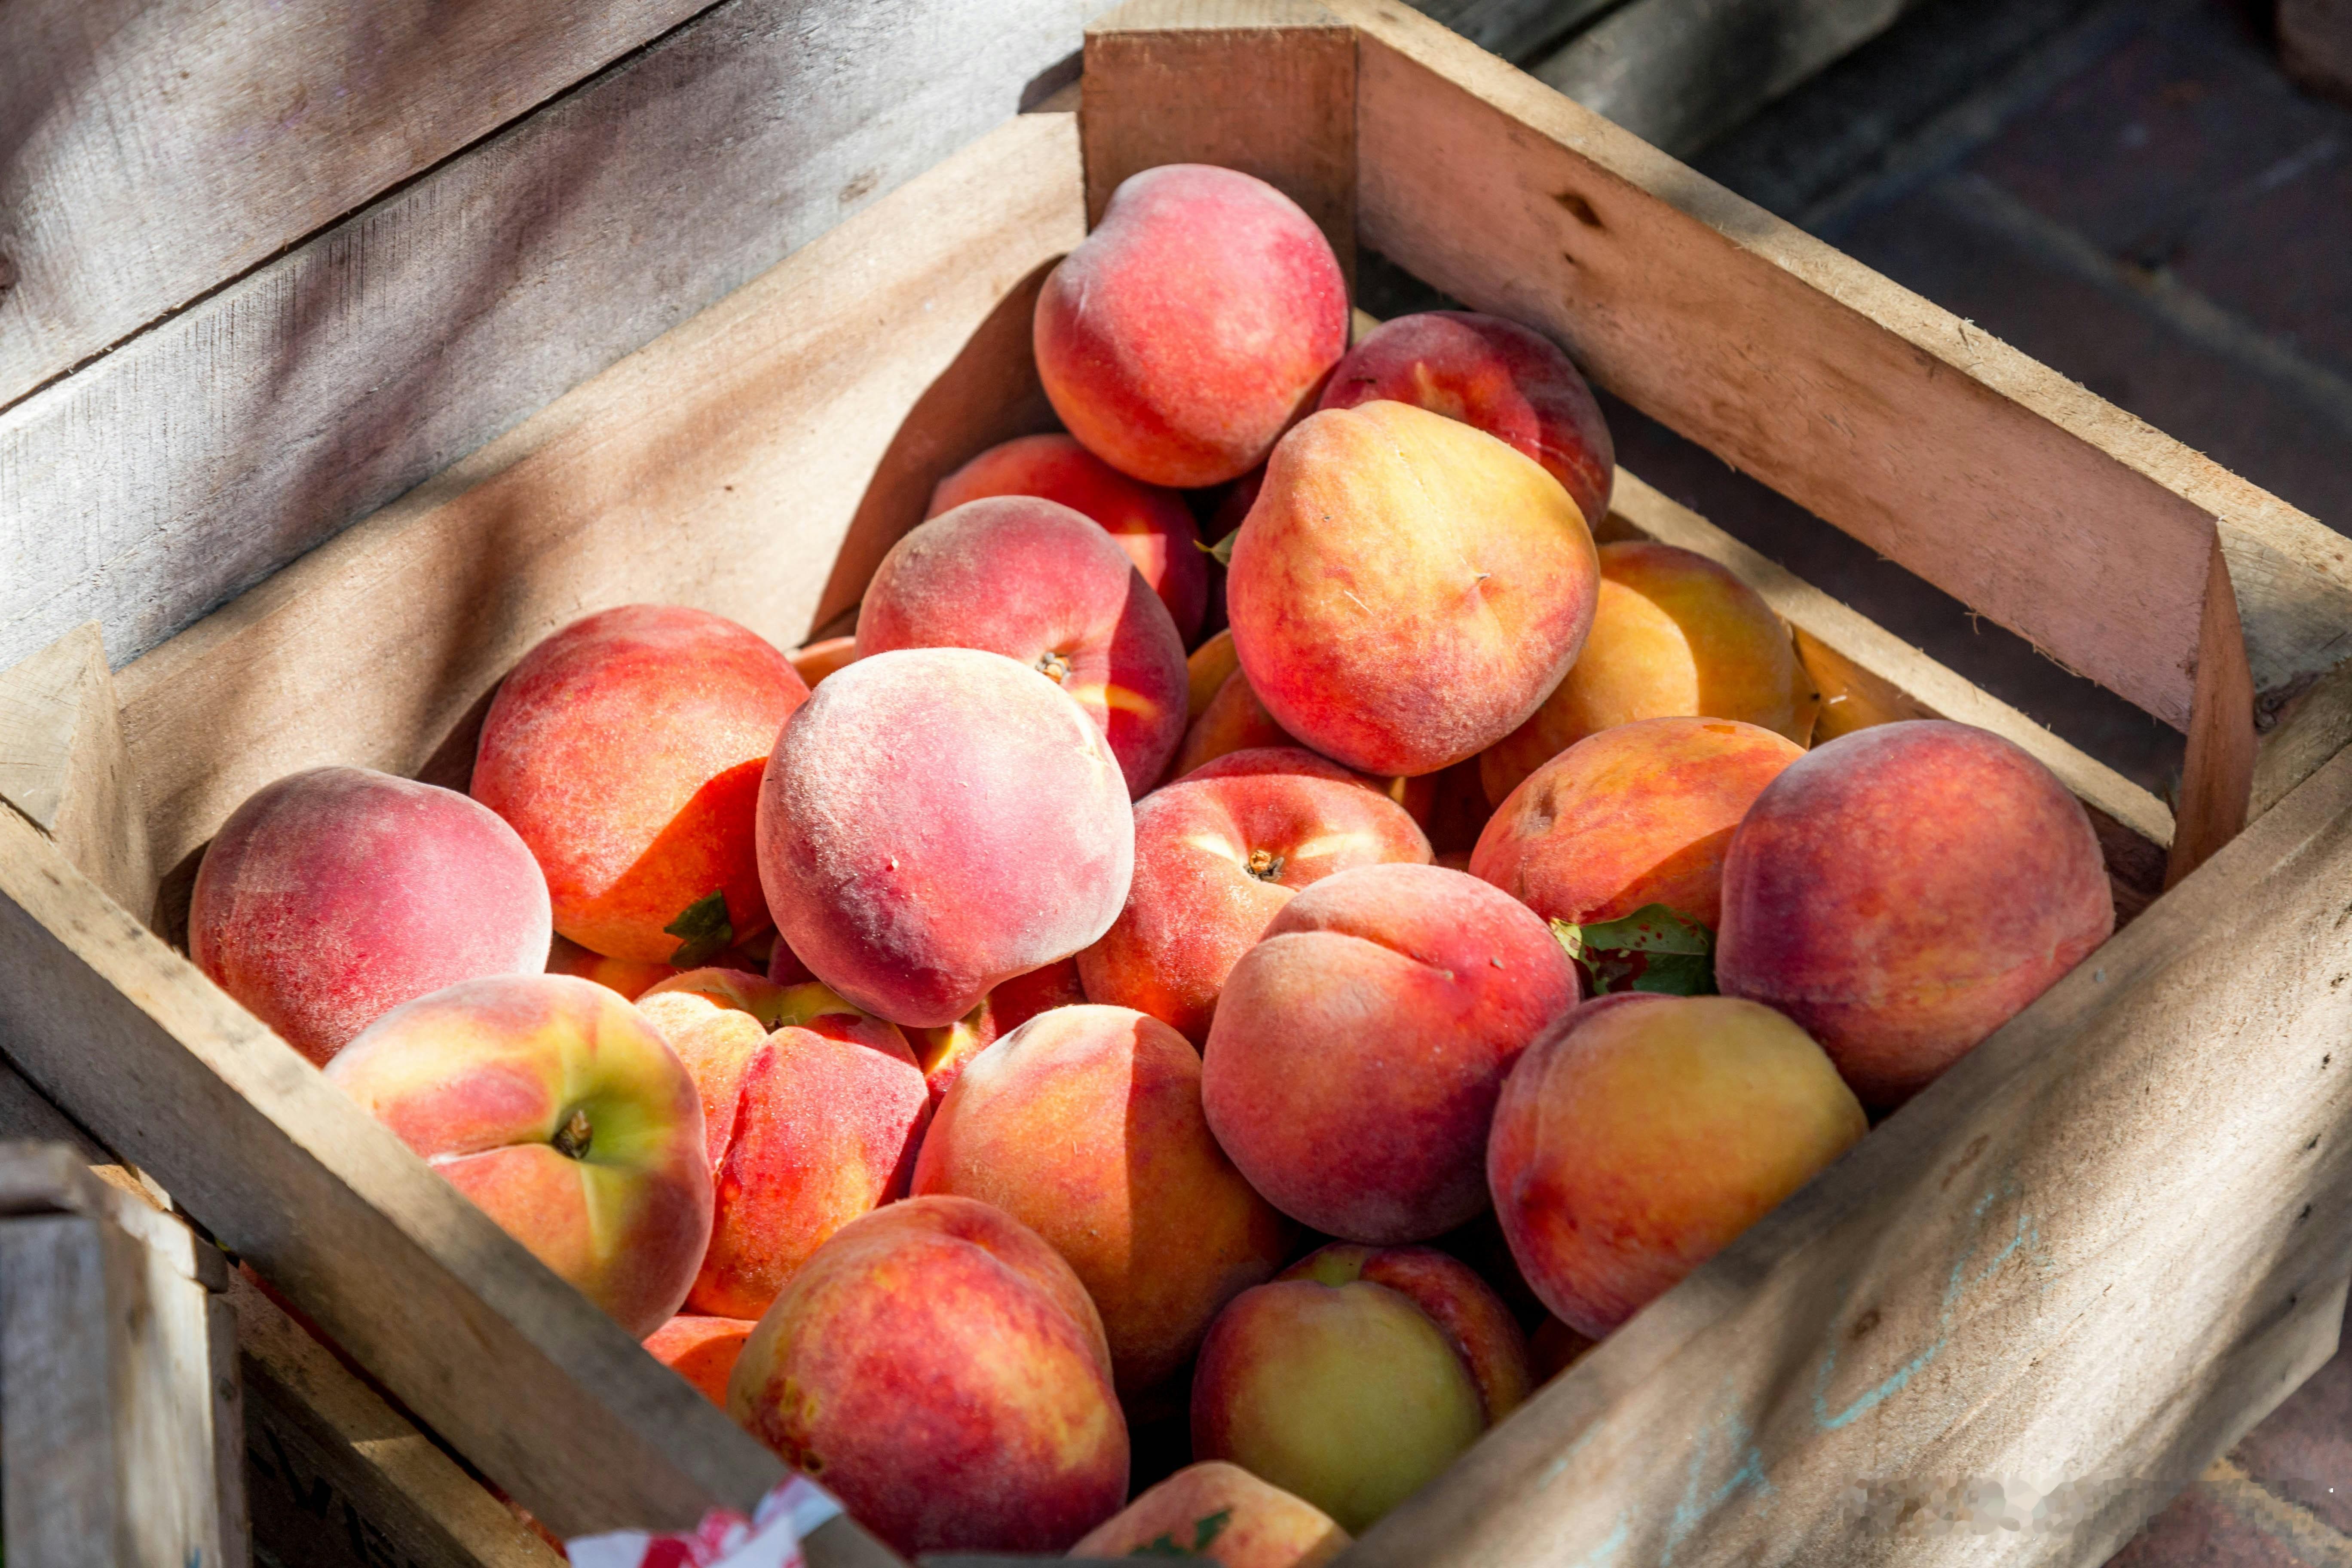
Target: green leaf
1221, 552
1204, 1530
1653, 949
704, 931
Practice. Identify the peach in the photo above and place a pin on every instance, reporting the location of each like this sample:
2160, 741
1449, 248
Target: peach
1357, 1050
1637, 815
1038, 582
1407, 589
1903, 891
1085, 1124
1193, 326
1213, 1510
626, 750
814, 1111
1217, 854
1152, 525
626, 976
941, 1370
1233, 720
944, 1053
936, 821
1507, 380
1673, 635
1350, 1380
559, 1109
814, 661
1555, 1347
1636, 1140
701, 1350
1205, 670
333, 896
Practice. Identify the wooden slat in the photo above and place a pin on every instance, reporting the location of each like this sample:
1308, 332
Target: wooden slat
206, 453
1267, 87
183, 141
2095, 1248
62, 763
2009, 487
896, 343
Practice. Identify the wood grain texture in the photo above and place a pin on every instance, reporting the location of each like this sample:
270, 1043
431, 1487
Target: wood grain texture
760, 423
62, 763
1990, 474
1267, 87
1679, 73
2217, 771
202, 456
2086, 1258
149, 151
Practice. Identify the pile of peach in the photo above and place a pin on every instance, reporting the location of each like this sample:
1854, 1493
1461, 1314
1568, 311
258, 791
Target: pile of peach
1001, 1026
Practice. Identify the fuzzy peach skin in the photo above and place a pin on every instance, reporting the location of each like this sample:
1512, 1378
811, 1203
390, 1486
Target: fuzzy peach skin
1407, 589
1221, 1511
944, 1053
333, 895
701, 1350
936, 821
941, 1370
1152, 525
1085, 1124
1640, 1138
1674, 634
626, 750
1233, 720
1507, 380
814, 661
1193, 326
1206, 668
1641, 813
1356, 1050
813, 1109
1476, 1322
1217, 854
1040, 584
1903, 891
1345, 1393
560, 1110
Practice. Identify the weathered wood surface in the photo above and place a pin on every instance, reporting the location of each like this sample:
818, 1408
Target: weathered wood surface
149, 152
2092, 1254
62, 763
206, 453
117, 1403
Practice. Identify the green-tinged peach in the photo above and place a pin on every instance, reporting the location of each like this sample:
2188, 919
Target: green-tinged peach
1220, 1512
557, 1108
1086, 1125
1642, 1136
940, 1369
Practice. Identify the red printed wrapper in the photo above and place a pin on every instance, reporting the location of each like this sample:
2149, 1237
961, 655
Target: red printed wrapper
770, 1538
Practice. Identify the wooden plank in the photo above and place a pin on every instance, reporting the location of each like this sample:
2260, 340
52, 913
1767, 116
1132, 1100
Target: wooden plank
2217, 771
204, 455
763, 419
1990, 474
1267, 87
2133, 1173
1679, 73
185, 141
2316, 45
62, 763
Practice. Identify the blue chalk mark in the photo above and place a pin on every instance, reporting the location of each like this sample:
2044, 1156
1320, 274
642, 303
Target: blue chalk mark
1958, 1286
1611, 1545
1693, 1507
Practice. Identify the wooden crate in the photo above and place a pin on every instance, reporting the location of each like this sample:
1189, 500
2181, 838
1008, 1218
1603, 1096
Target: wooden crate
2092, 1254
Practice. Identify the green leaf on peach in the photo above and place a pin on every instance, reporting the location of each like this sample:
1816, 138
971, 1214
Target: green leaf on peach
1653, 949
703, 930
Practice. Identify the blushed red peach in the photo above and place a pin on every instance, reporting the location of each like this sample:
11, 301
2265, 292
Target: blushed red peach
626, 750
1641, 813
1507, 380
1674, 634
1152, 525
1085, 1124
1639, 1139
936, 821
1407, 589
813, 1112
701, 1350
1217, 854
1043, 586
944, 1053
333, 895
1903, 891
940, 1369
1193, 326
560, 1110
1357, 1050
1221, 1511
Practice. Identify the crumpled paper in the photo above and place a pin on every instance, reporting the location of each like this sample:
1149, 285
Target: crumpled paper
770, 1538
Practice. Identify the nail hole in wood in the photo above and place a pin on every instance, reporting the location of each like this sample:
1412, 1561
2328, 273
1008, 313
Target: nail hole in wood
1581, 210
1863, 1325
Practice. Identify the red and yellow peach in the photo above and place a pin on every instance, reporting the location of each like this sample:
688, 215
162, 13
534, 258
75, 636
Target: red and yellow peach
1221, 1512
